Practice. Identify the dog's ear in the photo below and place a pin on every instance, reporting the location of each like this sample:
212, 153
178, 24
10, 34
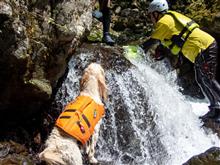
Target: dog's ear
84, 80
102, 86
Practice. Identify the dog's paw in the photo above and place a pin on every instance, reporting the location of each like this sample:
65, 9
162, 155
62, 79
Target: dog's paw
93, 160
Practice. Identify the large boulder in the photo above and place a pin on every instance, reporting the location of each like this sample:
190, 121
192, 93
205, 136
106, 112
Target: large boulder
36, 39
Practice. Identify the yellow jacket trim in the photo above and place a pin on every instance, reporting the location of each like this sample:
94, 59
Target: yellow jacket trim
197, 41
80, 117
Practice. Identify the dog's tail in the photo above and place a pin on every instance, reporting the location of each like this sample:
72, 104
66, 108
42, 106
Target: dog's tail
51, 157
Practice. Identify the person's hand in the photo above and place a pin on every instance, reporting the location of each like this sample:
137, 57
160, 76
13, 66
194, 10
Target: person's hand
148, 44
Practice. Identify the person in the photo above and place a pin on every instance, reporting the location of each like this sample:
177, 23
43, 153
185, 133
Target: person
183, 37
105, 18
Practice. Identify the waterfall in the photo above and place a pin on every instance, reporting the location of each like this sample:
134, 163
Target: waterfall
148, 121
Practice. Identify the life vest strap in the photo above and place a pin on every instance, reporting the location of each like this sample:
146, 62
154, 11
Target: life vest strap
86, 120
186, 28
180, 39
70, 110
64, 117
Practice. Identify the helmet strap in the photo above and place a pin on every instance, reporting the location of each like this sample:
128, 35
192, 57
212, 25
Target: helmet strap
156, 15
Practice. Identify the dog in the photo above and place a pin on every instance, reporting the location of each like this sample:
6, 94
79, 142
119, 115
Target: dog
64, 149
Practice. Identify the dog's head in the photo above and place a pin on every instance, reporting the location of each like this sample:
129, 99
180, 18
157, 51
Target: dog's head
95, 70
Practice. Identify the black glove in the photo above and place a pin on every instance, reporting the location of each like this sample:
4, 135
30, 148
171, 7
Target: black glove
147, 44
178, 61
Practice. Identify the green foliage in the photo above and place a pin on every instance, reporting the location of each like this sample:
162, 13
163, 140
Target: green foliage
202, 11
95, 35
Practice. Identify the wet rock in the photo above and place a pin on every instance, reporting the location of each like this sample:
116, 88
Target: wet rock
127, 159
4, 151
109, 56
36, 40
14, 153
209, 157
213, 125
75, 18
5, 11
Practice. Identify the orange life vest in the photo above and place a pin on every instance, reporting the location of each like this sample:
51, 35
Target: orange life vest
80, 117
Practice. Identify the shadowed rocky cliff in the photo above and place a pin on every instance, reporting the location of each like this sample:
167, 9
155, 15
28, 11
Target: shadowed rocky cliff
36, 39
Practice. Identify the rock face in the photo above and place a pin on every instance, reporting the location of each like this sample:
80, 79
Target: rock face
210, 157
36, 39
14, 153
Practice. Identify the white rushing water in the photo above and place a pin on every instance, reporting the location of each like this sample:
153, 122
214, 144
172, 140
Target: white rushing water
178, 127
176, 116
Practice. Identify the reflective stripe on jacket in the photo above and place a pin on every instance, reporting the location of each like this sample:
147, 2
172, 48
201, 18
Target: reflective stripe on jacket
193, 41
80, 117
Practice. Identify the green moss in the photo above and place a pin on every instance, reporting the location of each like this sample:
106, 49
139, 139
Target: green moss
41, 85
95, 35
